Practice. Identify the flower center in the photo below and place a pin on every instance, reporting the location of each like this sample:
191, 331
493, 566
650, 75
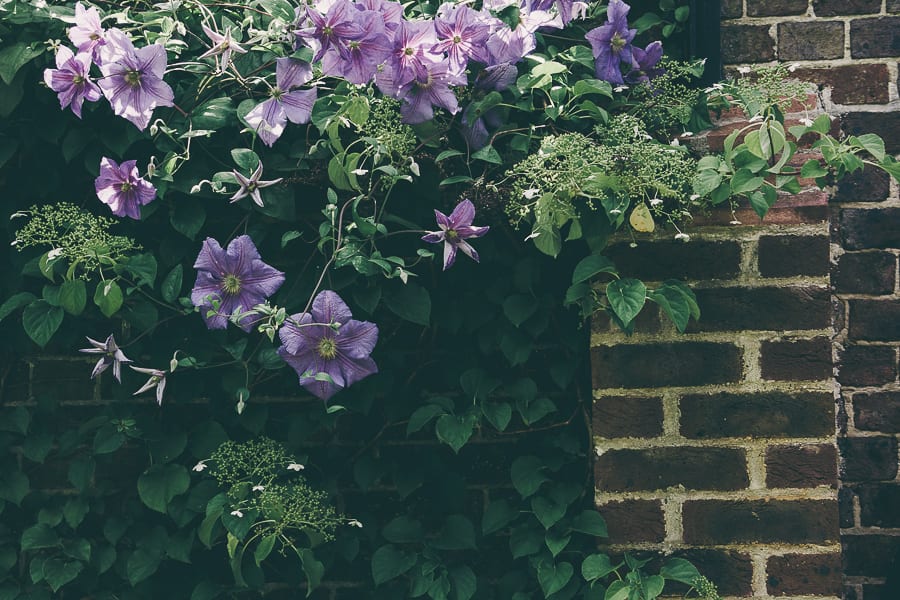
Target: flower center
409, 51
452, 234
327, 30
327, 349
133, 78
94, 37
617, 42
277, 93
231, 284
126, 186
78, 79
456, 39
353, 45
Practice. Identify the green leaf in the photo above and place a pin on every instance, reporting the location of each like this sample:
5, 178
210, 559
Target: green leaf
488, 154
626, 298
497, 515
188, 217
679, 569
527, 475
745, 181
264, 548
108, 439
525, 541
422, 416
617, 590
390, 562
464, 583
312, 568
73, 296
873, 144
41, 320
403, 530
556, 542
247, 160
554, 577
812, 168
455, 430
39, 536
547, 511
58, 572
653, 586
81, 472
518, 308
214, 114
589, 522
456, 179
15, 302
457, 533
159, 484
592, 86
498, 414
597, 566
15, 57
143, 267
590, 266
36, 446
549, 68
74, 511
108, 297
447, 154
171, 283
410, 302
142, 564
891, 166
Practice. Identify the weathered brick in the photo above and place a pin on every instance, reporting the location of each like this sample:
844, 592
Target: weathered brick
874, 38
731, 571
874, 320
868, 185
617, 416
878, 505
810, 40
747, 43
850, 84
763, 414
833, 8
862, 228
804, 574
765, 521
660, 365
732, 9
867, 365
632, 521
845, 507
796, 360
893, 6
649, 320
869, 555
868, 458
660, 468
789, 255
886, 124
877, 411
865, 273
743, 309
667, 259
775, 8
801, 466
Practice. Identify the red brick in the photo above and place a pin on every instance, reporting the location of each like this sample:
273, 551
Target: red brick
875, 320
810, 40
617, 417
765, 521
747, 43
868, 458
796, 360
868, 185
864, 228
833, 8
850, 84
810, 206
763, 414
633, 521
775, 8
790, 255
886, 124
752, 309
877, 411
867, 365
874, 38
668, 259
661, 365
804, 575
661, 468
801, 466
865, 273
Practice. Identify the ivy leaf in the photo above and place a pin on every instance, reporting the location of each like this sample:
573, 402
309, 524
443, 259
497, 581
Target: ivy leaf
142, 564
403, 530
527, 475
464, 583
556, 542
108, 297
15, 57
41, 320
188, 217
590, 266
312, 568
519, 307
679, 569
215, 114
15, 302
589, 522
617, 590
525, 541
73, 296
554, 577
497, 515
171, 283
58, 572
547, 511
498, 414
143, 267
745, 181
457, 533
39, 536
159, 484
597, 566
626, 298
872, 143
488, 154
422, 416
455, 430
247, 160
390, 562
410, 302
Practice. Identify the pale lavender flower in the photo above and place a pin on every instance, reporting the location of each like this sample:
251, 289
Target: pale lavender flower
87, 34
423, 93
223, 45
157, 380
645, 63
232, 280
70, 79
250, 187
132, 79
269, 118
360, 58
122, 188
112, 355
462, 34
407, 61
327, 348
332, 30
611, 43
454, 231
391, 12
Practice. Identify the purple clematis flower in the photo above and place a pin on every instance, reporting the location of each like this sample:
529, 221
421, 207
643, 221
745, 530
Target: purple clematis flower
462, 34
157, 380
645, 62
231, 280
112, 355
132, 78
411, 51
611, 43
332, 31
359, 60
269, 118
455, 230
327, 340
122, 189
250, 187
71, 81
87, 34
223, 45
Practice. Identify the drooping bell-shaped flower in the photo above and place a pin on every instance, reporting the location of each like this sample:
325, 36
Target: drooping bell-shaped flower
111, 355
